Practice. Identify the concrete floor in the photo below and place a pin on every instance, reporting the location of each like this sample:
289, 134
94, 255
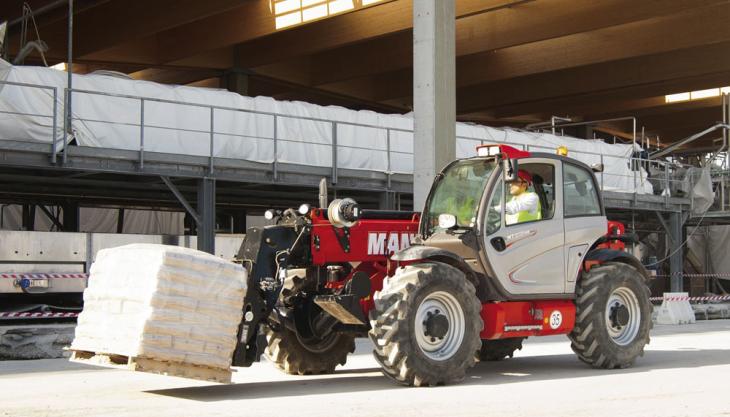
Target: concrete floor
685, 372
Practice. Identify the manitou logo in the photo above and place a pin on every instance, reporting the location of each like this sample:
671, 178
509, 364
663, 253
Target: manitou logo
384, 243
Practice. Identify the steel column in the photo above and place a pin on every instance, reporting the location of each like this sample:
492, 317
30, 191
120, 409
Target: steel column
206, 212
676, 252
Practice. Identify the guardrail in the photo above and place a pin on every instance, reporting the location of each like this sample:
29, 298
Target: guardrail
275, 138
639, 169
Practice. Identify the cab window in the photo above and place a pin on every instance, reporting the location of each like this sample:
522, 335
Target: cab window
532, 197
579, 192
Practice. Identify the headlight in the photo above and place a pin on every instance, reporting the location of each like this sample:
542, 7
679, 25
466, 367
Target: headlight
269, 214
304, 209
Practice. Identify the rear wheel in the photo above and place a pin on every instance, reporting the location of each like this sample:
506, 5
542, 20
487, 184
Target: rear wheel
425, 325
613, 316
297, 355
496, 350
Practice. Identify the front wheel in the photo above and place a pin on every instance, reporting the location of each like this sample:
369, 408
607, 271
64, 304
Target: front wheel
613, 316
296, 355
425, 325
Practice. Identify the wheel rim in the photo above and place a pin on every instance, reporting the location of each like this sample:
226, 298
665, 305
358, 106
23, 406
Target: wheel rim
439, 326
623, 316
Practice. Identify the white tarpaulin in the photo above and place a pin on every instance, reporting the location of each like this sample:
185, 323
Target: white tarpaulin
305, 132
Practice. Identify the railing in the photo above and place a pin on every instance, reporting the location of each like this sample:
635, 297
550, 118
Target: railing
143, 128
53, 117
275, 120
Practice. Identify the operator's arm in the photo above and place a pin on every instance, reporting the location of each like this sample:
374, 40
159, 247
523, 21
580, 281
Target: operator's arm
524, 202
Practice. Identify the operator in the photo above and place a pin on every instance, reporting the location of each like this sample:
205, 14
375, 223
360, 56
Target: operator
523, 206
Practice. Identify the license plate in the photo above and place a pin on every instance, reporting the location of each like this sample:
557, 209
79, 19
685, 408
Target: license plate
38, 283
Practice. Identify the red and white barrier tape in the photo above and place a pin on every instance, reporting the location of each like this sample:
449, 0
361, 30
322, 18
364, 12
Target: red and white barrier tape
42, 275
36, 315
688, 298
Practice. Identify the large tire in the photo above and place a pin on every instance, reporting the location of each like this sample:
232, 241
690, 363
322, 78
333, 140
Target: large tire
607, 335
425, 325
288, 352
496, 350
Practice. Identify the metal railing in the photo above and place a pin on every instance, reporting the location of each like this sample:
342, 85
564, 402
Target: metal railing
53, 117
275, 138
637, 175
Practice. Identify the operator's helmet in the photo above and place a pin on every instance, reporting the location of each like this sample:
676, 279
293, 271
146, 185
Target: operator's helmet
525, 176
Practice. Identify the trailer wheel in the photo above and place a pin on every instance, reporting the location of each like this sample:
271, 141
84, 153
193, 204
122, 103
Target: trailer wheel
496, 350
297, 356
613, 316
425, 325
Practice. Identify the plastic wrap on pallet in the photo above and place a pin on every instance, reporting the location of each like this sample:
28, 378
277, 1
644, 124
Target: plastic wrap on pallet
164, 303
362, 138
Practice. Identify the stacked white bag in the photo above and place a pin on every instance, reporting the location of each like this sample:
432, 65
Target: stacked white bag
161, 302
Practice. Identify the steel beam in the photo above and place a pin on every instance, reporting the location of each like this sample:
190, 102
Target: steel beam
181, 198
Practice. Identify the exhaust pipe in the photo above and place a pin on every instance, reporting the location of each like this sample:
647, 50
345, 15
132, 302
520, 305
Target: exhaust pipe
323, 201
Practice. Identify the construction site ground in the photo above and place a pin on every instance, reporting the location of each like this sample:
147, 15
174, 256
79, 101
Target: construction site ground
684, 373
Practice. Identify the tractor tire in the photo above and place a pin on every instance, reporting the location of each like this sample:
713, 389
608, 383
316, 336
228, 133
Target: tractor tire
288, 352
613, 316
425, 325
496, 350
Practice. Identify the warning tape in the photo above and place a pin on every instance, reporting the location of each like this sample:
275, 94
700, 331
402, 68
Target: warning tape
688, 298
42, 275
36, 315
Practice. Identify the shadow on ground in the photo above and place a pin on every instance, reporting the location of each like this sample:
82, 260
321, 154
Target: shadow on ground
530, 368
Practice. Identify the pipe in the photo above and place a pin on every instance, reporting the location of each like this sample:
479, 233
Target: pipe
553, 119
687, 140
40, 46
589, 122
323, 203
39, 11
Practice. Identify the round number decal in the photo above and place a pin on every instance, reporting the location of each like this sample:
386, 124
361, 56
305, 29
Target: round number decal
556, 319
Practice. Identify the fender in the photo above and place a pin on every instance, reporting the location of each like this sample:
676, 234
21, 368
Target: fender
599, 256
422, 252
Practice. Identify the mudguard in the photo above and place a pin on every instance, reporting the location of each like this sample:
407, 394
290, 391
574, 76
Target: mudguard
422, 252
611, 255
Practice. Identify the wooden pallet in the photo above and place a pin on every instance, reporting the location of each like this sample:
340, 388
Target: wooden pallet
142, 364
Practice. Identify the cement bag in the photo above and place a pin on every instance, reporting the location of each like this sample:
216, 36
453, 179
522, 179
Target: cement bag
164, 303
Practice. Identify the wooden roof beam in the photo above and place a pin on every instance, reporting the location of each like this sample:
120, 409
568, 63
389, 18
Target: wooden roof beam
695, 28
502, 28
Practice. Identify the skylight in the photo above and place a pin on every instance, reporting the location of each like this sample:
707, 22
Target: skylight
696, 95
290, 13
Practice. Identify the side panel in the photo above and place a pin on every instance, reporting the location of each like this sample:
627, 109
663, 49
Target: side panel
527, 318
580, 232
369, 240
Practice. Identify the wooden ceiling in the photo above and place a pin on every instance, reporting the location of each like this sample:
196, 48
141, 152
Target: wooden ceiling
518, 61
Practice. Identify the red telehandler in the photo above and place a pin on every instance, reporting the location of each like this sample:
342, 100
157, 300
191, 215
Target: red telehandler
458, 283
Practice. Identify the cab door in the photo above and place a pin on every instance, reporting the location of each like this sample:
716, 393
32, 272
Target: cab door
528, 258
584, 218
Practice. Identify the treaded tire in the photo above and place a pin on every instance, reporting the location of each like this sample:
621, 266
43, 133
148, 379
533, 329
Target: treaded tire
393, 327
496, 350
288, 353
590, 338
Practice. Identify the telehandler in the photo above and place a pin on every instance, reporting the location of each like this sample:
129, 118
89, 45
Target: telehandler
467, 279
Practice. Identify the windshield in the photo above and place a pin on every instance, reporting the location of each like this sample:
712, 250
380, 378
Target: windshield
458, 192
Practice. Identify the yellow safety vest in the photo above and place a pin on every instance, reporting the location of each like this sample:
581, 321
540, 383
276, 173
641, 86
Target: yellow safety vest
524, 215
